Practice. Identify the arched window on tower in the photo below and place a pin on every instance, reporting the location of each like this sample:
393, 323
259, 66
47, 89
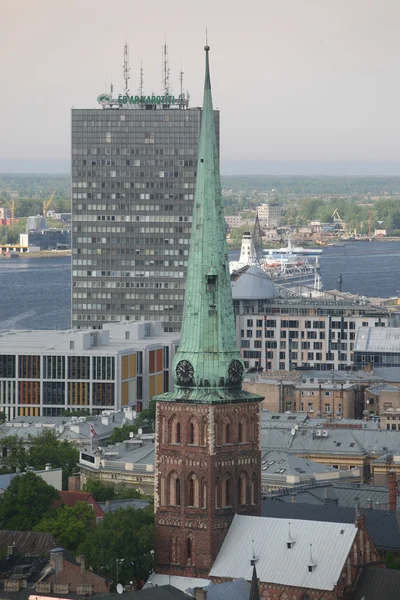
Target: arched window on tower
162, 490
242, 430
218, 431
253, 489
203, 436
227, 432
174, 430
189, 550
227, 491
174, 489
242, 489
193, 432
203, 493
217, 492
193, 491
174, 550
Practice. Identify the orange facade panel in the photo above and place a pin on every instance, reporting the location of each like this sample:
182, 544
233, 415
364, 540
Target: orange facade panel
152, 361
29, 392
125, 367
159, 360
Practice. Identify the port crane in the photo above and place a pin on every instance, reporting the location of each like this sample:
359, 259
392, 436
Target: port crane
11, 206
338, 219
46, 203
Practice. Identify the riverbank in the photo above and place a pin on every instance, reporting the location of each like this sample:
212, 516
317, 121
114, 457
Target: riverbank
41, 254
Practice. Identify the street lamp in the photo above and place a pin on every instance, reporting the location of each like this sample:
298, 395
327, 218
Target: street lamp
118, 561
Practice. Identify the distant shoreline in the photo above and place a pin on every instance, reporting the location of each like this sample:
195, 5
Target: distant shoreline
41, 254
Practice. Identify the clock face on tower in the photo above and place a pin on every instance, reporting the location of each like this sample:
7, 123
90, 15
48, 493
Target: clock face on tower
235, 372
184, 372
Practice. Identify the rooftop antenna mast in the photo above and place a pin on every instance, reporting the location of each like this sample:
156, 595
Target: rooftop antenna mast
141, 79
165, 69
126, 69
181, 80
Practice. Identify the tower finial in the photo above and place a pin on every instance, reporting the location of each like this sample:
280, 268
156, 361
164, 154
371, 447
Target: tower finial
206, 47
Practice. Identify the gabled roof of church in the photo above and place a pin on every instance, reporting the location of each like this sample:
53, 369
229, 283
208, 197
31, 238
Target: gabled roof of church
325, 545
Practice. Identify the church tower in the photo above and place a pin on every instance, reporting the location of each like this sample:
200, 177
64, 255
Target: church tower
207, 429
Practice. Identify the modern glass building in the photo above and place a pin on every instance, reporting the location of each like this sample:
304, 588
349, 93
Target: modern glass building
133, 180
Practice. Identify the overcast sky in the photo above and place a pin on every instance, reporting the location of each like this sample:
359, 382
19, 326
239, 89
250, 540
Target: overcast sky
295, 80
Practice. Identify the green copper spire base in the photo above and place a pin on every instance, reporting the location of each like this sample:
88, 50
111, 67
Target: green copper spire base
208, 396
208, 367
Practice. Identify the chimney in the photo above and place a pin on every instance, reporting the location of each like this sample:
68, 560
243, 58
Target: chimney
10, 550
81, 561
392, 489
369, 503
47, 467
200, 594
293, 498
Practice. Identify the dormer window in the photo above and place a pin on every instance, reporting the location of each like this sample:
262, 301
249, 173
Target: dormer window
312, 564
290, 542
211, 283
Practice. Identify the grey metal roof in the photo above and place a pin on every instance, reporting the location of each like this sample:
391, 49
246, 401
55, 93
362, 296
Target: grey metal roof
331, 544
114, 505
273, 461
254, 284
181, 583
382, 525
238, 589
377, 584
27, 542
5, 480
383, 387
389, 374
341, 494
338, 441
377, 339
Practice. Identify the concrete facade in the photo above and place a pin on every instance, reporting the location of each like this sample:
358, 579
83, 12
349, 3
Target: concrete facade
46, 373
133, 180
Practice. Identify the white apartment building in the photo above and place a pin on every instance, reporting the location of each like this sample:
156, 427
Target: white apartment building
269, 214
280, 330
48, 373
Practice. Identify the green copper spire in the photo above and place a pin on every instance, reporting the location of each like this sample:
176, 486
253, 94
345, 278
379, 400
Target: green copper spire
208, 366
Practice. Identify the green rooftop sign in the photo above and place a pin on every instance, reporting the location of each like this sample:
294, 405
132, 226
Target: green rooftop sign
107, 100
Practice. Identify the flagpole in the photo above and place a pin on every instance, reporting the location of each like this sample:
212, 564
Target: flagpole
91, 441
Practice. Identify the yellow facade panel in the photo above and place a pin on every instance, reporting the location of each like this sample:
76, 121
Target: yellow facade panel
159, 383
132, 365
152, 386
125, 393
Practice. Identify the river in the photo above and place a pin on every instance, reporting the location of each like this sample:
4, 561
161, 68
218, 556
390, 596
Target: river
35, 293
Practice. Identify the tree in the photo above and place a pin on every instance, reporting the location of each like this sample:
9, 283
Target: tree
126, 534
70, 525
16, 456
98, 490
46, 448
120, 434
147, 416
25, 502
3, 416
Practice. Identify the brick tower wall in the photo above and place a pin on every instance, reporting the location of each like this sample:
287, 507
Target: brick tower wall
208, 468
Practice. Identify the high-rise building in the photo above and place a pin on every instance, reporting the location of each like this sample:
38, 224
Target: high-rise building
208, 453
133, 178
